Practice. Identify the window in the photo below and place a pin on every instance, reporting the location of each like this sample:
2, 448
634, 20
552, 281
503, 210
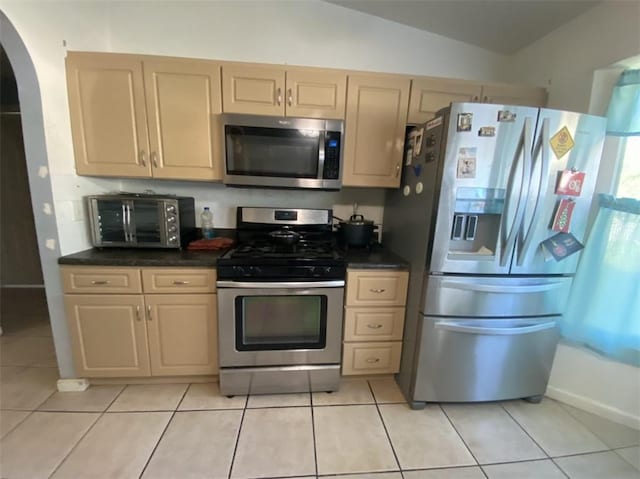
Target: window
629, 179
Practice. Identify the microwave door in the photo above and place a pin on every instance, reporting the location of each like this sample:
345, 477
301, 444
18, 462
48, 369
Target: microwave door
110, 222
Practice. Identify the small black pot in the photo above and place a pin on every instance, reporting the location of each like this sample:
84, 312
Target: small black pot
357, 231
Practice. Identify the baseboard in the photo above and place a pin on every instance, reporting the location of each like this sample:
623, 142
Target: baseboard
156, 380
72, 385
595, 407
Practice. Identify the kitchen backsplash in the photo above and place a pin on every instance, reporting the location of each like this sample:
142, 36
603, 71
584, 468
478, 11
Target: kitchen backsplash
223, 200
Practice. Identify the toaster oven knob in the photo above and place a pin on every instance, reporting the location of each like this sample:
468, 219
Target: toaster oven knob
173, 239
172, 229
171, 209
171, 219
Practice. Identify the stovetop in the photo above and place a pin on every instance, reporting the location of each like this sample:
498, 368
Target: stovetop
313, 255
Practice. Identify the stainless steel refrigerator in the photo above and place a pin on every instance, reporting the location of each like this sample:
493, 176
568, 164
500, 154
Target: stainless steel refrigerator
486, 193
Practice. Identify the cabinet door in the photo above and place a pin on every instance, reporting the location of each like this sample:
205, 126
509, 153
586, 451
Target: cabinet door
108, 118
183, 334
316, 94
184, 105
514, 95
108, 335
253, 89
374, 130
428, 95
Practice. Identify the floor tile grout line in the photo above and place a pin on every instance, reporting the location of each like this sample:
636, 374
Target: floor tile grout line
235, 449
146, 464
461, 438
184, 396
313, 433
15, 426
525, 431
384, 426
560, 468
89, 429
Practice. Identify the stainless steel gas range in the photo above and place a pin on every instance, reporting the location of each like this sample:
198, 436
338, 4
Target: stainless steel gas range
280, 302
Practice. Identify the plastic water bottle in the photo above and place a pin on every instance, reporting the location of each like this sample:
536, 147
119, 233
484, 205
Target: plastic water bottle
207, 223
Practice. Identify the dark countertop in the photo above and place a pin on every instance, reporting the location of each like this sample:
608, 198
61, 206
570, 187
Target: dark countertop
142, 257
375, 258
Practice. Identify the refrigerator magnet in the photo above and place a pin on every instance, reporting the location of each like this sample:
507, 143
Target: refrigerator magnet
417, 170
487, 131
506, 115
562, 142
419, 187
561, 246
464, 121
466, 163
406, 191
570, 182
562, 218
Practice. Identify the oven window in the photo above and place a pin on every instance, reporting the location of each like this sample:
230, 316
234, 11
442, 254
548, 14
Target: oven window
266, 323
147, 214
274, 152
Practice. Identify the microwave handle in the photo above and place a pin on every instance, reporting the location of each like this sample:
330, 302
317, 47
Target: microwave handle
322, 140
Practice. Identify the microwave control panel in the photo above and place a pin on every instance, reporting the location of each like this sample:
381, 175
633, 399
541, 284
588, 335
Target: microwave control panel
331, 169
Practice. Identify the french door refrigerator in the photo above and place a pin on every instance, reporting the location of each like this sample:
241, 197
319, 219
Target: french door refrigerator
490, 195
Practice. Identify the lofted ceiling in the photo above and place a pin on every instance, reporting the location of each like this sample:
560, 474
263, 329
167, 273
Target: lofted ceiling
502, 26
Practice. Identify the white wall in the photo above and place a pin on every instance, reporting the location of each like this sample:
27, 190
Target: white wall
574, 61
566, 59
303, 32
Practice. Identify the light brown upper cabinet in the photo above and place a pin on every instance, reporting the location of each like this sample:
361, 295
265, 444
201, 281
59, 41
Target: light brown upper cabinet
136, 116
428, 95
514, 95
262, 90
374, 130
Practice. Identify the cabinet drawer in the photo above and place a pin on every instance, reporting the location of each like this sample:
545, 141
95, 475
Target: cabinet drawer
373, 324
176, 280
371, 358
100, 279
376, 288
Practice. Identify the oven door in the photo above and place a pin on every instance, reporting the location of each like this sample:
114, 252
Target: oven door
279, 323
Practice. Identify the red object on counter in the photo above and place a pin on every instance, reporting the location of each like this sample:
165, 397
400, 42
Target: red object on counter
210, 244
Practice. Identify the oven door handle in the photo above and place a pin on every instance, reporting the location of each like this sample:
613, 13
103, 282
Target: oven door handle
281, 284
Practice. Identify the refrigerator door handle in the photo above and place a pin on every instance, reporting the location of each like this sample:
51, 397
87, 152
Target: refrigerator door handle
523, 254
467, 327
504, 289
524, 146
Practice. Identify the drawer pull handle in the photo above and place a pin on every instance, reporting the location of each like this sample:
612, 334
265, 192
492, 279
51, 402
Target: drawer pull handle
181, 282
102, 281
377, 290
373, 360
149, 313
374, 326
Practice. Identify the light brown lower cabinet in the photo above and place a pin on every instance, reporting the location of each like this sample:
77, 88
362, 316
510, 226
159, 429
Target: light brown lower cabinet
173, 333
373, 321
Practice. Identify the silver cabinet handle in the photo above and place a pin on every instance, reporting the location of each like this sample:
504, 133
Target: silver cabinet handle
154, 159
373, 360
181, 282
138, 313
143, 155
101, 281
397, 169
374, 326
290, 94
377, 290
485, 99
475, 98
279, 93
149, 318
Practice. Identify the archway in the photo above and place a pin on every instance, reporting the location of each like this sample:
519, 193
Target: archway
40, 186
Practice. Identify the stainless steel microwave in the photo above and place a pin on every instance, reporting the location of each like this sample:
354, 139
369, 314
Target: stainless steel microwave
282, 152
141, 220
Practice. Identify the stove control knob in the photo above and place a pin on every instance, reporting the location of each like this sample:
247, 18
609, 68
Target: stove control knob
239, 269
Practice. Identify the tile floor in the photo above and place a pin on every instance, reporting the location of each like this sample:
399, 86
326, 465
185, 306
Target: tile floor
365, 430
